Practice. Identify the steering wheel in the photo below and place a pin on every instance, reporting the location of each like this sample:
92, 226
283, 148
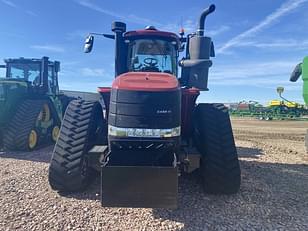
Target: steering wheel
151, 62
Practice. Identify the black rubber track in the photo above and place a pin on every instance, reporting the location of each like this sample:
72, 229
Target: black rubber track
16, 136
78, 134
220, 167
65, 100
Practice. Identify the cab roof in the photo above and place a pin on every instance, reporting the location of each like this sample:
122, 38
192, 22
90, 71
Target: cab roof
151, 31
25, 60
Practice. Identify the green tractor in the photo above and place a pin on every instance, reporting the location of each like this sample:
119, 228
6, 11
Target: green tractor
31, 106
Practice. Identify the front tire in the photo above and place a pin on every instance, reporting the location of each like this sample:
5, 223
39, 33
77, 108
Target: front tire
214, 139
69, 169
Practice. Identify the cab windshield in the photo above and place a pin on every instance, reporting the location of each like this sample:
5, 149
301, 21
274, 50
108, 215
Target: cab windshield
152, 55
27, 71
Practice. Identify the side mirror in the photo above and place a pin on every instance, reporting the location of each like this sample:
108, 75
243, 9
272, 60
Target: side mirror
57, 66
88, 45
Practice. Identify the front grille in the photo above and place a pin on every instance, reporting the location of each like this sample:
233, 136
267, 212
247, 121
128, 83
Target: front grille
142, 145
148, 110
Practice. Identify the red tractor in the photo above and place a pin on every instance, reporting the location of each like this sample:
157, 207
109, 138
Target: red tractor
150, 129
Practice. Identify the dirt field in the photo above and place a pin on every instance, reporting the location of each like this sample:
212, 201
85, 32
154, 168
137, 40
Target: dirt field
273, 195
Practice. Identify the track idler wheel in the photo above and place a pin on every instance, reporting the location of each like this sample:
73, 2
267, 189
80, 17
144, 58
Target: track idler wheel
32, 140
55, 133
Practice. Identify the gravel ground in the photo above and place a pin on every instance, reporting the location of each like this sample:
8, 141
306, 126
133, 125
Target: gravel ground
273, 195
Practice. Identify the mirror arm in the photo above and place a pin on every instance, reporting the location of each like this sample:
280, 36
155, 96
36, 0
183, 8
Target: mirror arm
110, 36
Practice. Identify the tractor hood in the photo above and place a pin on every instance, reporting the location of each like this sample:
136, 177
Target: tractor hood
11, 91
146, 81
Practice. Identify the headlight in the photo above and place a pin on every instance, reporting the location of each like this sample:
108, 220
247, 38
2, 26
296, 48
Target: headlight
143, 132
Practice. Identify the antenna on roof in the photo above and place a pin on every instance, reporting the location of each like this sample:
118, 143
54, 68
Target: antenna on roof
182, 31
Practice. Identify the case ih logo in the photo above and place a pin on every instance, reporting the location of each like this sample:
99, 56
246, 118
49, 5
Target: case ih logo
163, 111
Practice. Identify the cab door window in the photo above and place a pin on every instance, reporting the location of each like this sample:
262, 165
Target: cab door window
34, 76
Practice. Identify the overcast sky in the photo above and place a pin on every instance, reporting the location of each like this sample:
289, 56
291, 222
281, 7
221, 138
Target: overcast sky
257, 42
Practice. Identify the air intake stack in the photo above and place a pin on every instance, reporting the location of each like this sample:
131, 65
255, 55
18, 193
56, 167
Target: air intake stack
120, 57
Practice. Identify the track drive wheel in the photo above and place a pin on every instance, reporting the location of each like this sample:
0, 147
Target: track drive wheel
220, 167
45, 113
21, 134
69, 169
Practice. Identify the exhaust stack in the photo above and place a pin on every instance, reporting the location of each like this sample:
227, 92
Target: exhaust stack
199, 48
202, 18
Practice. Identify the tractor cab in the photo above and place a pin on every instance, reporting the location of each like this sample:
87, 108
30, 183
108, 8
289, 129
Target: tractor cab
35, 75
151, 50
